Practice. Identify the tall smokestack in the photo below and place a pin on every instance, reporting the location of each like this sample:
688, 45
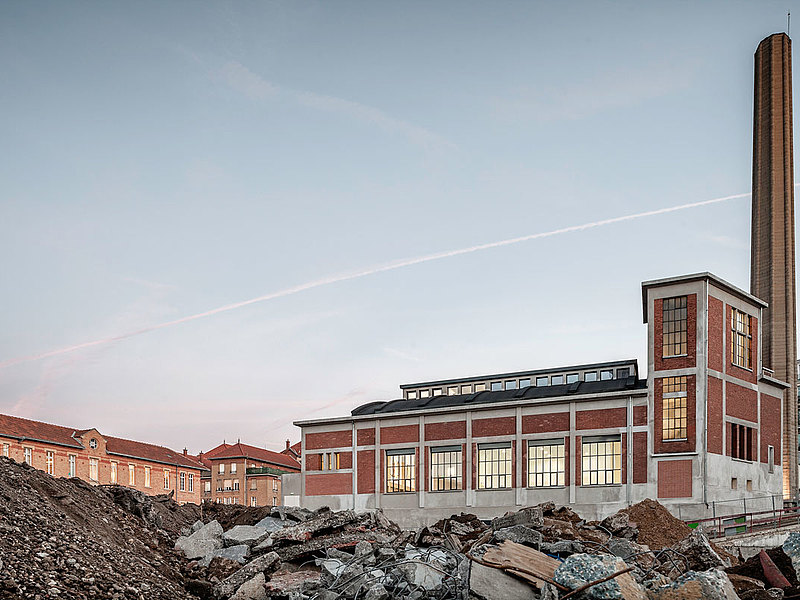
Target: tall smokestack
772, 240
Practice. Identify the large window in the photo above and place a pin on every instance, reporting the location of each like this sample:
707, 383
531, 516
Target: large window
675, 327
673, 408
400, 471
93, 469
545, 463
740, 339
741, 442
28, 453
494, 466
330, 461
602, 460
445, 468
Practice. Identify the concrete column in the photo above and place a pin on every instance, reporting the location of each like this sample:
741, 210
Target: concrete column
572, 456
468, 483
378, 489
422, 487
520, 488
355, 464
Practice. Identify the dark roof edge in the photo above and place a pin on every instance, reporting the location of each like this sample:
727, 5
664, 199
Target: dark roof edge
198, 467
614, 363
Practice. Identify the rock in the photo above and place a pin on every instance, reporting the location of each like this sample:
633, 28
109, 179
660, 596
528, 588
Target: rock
294, 513
293, 584
377, 592
631, 552
302, 532
532, 517
580, 569
744, 584
201, 589
698, 551
519, 534
221, 568
235, 553
770, 594
487, 583
250, 535
693, 585
619, 525
263, 564
271, 524
197, 525
202, 542
253, 589
563, 548
263, 546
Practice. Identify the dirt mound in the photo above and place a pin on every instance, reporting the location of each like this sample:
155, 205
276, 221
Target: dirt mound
66, 538
657, 527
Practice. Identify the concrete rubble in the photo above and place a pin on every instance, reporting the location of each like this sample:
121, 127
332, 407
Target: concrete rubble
132, 546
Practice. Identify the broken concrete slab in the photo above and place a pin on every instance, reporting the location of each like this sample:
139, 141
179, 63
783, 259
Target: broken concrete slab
236, 553
581, 569
253, 589
302, 532
488, 583
271, 524
519, 534
202, 542
531, 517
698, 551
619, 525
693, 585
263, 564
250, 535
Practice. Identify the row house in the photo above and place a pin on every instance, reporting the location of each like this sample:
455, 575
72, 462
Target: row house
101, 459
243, 474
701, 429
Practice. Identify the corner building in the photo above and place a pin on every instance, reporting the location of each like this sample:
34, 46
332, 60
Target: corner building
703, 429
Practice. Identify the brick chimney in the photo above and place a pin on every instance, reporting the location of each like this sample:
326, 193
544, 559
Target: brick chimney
287, 444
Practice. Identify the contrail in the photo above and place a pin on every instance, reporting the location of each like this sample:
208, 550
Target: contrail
391, 266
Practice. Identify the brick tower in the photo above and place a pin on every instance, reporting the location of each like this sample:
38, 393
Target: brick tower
772, 241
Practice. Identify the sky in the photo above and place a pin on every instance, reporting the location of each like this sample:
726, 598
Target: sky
162, 160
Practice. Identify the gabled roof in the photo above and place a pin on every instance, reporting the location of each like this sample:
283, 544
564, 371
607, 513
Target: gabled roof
132, 449
27, 429
489, 397
240, 450
293, 450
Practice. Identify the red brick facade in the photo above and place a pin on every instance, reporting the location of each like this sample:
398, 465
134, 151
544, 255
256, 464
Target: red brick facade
664, 446
675, 479
715, 420
677, 362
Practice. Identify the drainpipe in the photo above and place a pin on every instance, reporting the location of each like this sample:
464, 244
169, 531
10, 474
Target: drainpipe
704, 371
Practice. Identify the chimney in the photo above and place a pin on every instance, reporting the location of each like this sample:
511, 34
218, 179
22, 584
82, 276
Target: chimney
287, 444
772, 238
185, 452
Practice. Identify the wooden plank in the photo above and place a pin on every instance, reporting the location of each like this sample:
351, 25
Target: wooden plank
508, 555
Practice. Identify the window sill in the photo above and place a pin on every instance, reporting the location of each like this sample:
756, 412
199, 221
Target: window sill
547, 487
503, 489
743, 460
675, 356
675, 440
400, 493
444, 491
748, 369
603, 485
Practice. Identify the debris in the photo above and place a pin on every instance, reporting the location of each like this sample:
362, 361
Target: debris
488, 583
619, 525
657, 527
263, 564
772, 573
598, 577
742, 583
202, 542
530, 517
527, 563
791, 547
707, 585
519, 534
698, 552
249, 535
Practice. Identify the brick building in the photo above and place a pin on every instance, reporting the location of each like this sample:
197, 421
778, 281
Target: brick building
243, 474
704, 427
101, 459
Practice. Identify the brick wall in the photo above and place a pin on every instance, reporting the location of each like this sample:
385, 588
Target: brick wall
640, 415
455, 430
366, 472
494, 426
675, 479
328, 439
716, 333
715, 423
545, 423
365, 437
400, 434
323, 484
741, 402
640, 457
771, 426
601, 418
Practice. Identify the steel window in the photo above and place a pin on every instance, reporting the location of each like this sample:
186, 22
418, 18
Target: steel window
740, 340
602, 461
446, 468
674, 323
494, 466
545, 463
400, 471
673, 409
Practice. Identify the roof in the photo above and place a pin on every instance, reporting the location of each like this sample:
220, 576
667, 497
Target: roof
615, 363
20, 428
293, 450
489, 397
240, 450
132, 449
704, 276
27, 429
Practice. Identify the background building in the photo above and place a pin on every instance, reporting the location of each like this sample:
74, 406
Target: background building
101, 459
243, 474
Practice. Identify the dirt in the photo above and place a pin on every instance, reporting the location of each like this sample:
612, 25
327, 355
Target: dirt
657, 527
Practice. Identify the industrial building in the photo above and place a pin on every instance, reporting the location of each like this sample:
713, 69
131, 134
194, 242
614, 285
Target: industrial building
715, 419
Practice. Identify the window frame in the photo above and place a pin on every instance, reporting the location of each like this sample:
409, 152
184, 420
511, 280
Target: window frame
437, 480
489, 454
6, 449
675, 318
72, 465
182, 481
532, 471
114, 473
741, 339
148, 481
404, 462
94, 468
50, 462
596, 441
131, 474
669, 399
27, 455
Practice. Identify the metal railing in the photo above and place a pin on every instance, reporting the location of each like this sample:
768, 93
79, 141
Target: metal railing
747, 522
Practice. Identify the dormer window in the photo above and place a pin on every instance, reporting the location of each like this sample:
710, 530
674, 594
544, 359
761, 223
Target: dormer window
93, 444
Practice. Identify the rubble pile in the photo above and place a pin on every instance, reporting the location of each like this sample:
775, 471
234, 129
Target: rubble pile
63, 538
